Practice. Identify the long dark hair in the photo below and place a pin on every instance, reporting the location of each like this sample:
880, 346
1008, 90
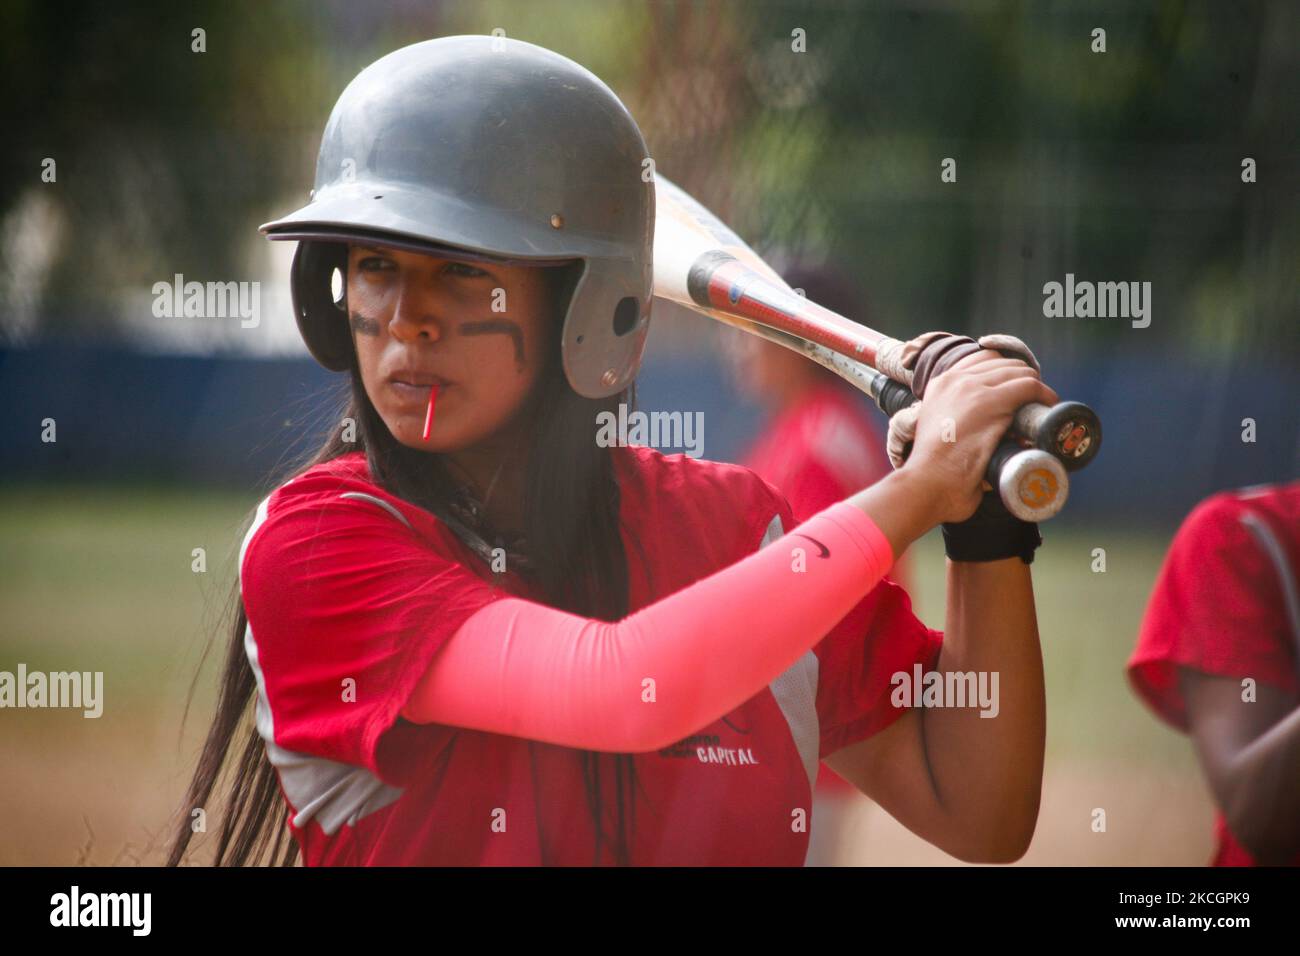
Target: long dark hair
572, 519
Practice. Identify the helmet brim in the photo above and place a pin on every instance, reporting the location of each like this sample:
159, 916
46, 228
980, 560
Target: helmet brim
425, 219
392, 240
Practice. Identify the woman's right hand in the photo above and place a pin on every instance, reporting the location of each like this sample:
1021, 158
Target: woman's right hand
966, 411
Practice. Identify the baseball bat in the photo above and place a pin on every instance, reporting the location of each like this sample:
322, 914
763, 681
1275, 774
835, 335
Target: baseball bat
702, 264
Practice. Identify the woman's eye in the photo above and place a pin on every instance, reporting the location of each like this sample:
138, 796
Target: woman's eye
464, 269
374, 264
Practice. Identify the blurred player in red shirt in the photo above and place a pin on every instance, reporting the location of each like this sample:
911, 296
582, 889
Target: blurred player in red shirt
822, 439
1218, 657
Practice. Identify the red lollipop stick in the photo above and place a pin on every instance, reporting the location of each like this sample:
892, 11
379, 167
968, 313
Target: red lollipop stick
428, 417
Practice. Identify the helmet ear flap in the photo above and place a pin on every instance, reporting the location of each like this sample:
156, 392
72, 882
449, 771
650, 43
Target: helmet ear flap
322, 320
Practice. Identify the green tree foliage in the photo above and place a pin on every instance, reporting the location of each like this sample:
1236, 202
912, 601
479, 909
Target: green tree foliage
164, 155
1115, 166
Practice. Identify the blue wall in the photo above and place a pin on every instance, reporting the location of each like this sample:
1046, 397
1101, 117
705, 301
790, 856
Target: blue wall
1172, 427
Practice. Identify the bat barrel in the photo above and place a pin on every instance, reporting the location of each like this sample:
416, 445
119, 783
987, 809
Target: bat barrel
702, 264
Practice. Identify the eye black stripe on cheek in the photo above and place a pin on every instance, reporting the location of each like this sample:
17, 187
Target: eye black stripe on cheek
364, 325
491, 326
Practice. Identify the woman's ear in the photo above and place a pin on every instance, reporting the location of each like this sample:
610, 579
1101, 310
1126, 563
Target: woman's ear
321, 319
561, 281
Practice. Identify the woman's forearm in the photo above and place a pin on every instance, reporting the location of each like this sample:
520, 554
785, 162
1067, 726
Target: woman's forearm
1263, 803
903, 505
987, 770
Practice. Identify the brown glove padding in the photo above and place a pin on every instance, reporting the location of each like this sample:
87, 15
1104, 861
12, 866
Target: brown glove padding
947, 350
939, 355
1011, 347
933, 353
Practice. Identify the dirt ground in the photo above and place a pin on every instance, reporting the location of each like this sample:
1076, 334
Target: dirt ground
1152, 819
106, 800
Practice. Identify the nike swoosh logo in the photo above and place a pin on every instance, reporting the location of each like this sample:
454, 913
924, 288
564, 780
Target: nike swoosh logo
826, 552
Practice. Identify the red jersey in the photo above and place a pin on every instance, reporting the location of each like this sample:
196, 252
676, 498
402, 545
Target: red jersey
822, 449
1225, 603
350, 592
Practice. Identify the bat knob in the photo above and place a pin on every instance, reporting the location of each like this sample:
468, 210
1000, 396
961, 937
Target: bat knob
1032, 484
1072, 432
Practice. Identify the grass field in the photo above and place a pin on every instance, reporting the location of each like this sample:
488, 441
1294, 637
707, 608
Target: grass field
100, 579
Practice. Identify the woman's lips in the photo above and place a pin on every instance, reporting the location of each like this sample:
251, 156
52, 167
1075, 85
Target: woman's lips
415, 392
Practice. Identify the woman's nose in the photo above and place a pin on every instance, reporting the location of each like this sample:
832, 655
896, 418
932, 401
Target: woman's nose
417, 317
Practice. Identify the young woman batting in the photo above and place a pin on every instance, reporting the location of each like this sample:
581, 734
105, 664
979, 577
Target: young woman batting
473, 635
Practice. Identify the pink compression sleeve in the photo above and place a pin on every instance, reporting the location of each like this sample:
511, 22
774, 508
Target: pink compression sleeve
521, 668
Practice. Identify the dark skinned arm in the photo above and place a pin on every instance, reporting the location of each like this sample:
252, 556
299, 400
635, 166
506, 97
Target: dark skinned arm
1251, 756
968, 784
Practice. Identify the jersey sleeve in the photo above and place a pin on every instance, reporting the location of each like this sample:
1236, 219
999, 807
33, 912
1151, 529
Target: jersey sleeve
812, 488
879, 637
346, 607
1217, 607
